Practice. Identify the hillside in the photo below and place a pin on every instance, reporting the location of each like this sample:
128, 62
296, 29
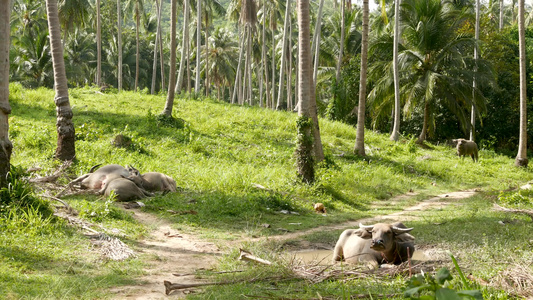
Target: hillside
218, 154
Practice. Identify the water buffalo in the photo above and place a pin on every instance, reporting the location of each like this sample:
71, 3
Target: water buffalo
156, 182
125, 189
94, 181
376, 244
466, 147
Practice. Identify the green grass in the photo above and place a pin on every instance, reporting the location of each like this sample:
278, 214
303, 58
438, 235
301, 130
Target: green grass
216, 155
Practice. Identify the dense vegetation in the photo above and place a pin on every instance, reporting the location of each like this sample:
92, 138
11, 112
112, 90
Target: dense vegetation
216, 153
497, 68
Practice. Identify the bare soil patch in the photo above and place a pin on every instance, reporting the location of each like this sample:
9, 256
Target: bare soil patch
167, 251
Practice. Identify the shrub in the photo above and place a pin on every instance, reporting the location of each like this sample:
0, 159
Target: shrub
18, 194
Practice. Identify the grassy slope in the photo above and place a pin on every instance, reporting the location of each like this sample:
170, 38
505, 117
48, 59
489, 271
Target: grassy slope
218, 156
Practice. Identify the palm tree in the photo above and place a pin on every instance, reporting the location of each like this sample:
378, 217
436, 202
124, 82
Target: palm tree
137, 8
198, 45
473, 110
360, 136
158, 5
341, 48
184, 43
433, 64
249, 19
500, 25
222, 59
5, 144
79, 50
172, 73
306, 91
212, 8
396, 128
98, 45
521, 158
119, 46
283, 54
65, 128
315, 46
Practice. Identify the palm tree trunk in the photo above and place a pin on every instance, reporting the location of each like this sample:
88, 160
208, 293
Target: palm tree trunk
235, 97
98, 45
316, 40
422, 136
283, 54
341, 46
263, 58
162, 62
360, 138
249, 78
395, 136
198, 44
473, 111
306, 92
172, 73
265, 62
289, 70
189, 87
521, 158
6, 146
297, 76
137, 39
154, 72
65, 128
184, 44
119, 50
206, 54
500, 27
273, 65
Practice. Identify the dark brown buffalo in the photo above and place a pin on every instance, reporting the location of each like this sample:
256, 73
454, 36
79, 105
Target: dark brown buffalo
376, 244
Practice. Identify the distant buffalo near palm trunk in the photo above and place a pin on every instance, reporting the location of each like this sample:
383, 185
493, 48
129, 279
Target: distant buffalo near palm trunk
466, 147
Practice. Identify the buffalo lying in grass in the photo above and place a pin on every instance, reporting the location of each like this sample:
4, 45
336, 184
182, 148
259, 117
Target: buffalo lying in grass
157, 182
375, 244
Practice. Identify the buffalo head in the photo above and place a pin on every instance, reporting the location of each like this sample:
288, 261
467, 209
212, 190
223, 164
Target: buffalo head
383, 236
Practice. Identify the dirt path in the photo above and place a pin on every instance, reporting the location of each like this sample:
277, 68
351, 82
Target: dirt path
169, 251
438, 201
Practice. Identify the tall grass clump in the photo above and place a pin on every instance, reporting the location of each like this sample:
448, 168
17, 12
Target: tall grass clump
18, 195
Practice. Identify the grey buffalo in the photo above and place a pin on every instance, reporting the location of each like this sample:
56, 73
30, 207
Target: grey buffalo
94, 180
375, 244
156, 182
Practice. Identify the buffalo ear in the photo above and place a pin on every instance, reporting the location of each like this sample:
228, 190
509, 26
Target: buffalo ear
399, 230
363, 233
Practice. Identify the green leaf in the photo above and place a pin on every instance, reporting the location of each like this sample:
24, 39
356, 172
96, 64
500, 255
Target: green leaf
415, 281
411, 292
471, 293
446, 294
443, 275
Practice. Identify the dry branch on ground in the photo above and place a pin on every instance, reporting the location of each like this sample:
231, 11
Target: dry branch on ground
527, 212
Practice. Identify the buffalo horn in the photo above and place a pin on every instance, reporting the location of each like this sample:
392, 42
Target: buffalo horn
367, 227
401, 230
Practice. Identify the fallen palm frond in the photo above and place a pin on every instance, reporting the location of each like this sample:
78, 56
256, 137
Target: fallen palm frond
320, 273
517, 280
112, 248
